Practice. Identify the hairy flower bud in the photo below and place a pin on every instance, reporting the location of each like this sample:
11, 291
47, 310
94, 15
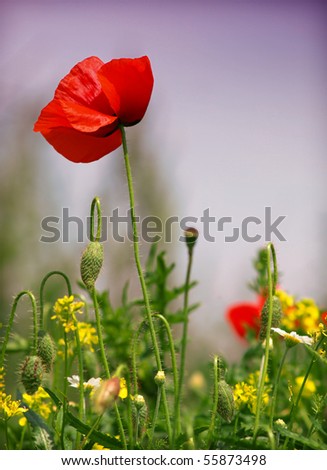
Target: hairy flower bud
106, 395
91, 264
160, 378
226, 406
32, 374
276, 316
139, 401
46, 350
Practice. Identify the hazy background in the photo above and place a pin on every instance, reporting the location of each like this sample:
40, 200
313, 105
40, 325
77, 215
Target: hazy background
236, 123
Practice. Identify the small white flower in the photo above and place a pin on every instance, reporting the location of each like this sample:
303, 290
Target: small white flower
73, 381
293, 338
92, 383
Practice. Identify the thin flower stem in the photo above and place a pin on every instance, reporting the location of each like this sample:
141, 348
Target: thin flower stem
172, 353
156, 412
173, 365
123, 371
65, 389
42, 286
141, 275
134, 362
275, 272
99, 332
105, 361
298, 398
173, 362
276, 386
11, 321
262, 378
177, 428
94, 426
214, 400
81, 407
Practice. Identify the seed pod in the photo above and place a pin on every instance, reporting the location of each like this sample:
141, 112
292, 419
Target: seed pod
32, 374
276, 316
46, 350
91, 263
226, 406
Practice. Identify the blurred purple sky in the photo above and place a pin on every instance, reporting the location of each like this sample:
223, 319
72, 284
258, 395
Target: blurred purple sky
238, 118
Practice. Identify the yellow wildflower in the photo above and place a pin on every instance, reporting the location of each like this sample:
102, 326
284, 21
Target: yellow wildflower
10, 407
245, 393
309, 387
301, 316
39, 402
99, 447
65, 310
123, 392
87, 335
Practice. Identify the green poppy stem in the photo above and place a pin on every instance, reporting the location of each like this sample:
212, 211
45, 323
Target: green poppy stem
105, 361
272, 281
11, 322
42, 286
276, 386
141, 275
214, 400
177, 429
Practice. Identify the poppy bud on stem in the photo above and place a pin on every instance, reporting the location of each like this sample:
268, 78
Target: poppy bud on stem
91, 264
271, 306
32, 374
190, 236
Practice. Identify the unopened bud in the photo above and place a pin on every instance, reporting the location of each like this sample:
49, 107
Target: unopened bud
106, 395
32, 374
139, 401
276, 316
226, 405
160, 378
46, 350
191, 235
91, 264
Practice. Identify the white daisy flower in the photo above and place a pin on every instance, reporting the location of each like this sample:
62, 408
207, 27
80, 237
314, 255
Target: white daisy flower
292, 339
73, 381
92, 383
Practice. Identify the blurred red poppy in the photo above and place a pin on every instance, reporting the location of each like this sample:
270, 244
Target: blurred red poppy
324, 317
245, 317
91, 102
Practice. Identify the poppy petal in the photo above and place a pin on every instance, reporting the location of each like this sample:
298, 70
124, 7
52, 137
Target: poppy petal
81, 85
128, 85
51, 116
85, 119
80, 147
244, 317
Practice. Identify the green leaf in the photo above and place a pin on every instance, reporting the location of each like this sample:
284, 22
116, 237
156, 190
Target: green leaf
53, 397
311, 443
42, 435
96, 436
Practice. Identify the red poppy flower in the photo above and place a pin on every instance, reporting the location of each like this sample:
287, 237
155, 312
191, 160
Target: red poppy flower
324, 317
245, 317
91, 102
